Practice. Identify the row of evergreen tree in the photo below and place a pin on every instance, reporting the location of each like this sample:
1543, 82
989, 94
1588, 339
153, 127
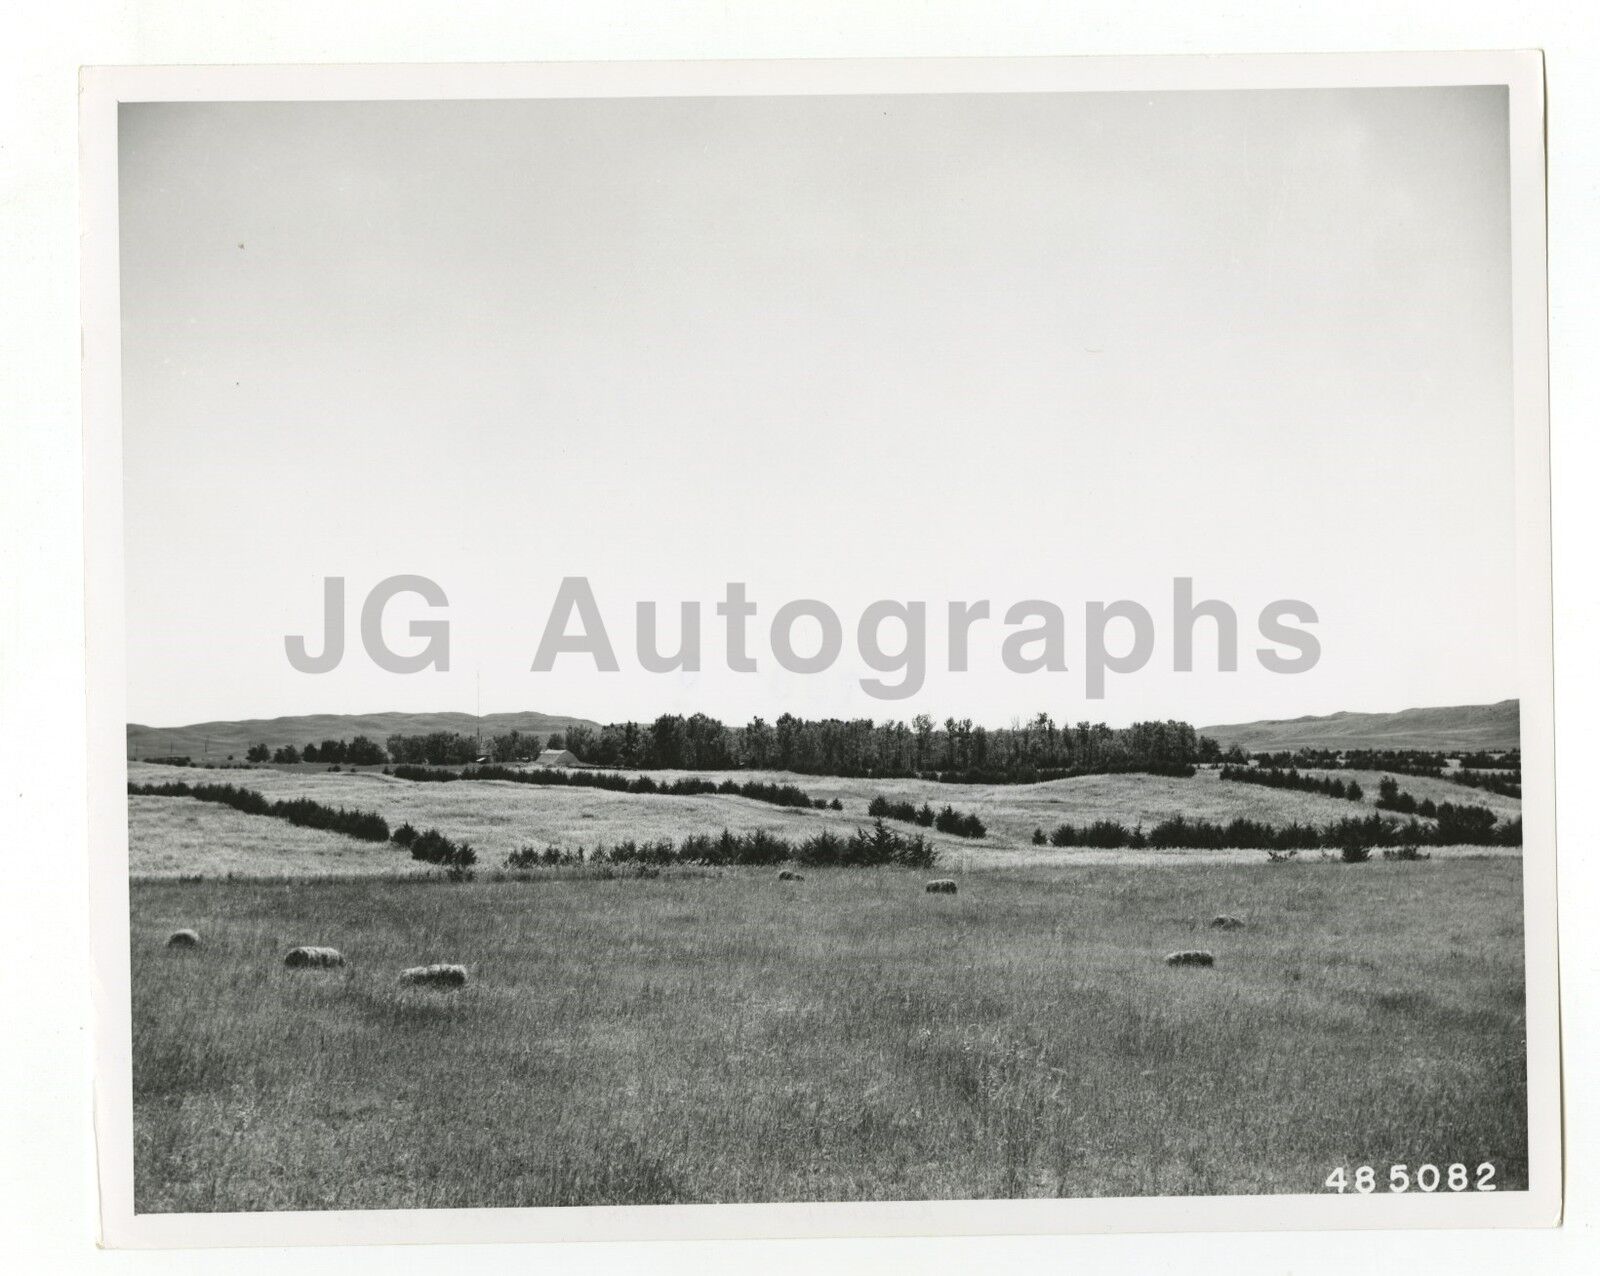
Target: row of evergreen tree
1505, 783
1508, 761
685, 786
1403, 761
879, 846
1458, 823
366, 825
1456, 826
1272, 778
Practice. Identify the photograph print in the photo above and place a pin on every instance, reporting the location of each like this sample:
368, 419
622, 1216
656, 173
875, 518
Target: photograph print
868, 637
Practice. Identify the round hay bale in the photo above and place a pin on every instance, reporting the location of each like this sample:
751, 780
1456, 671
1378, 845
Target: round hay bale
440, 975
313, 957
789, 875
183, 939
1192, 957
941, 886
1226, 922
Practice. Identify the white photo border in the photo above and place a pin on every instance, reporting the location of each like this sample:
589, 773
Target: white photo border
103, 89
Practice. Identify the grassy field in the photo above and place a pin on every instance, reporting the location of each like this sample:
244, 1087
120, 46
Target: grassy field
497, 817
719, 1037
177, 837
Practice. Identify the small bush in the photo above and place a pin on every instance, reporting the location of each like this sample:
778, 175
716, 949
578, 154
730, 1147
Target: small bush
433, 847
949, 820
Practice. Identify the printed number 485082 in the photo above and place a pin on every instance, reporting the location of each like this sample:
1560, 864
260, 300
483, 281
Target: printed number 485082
1426, 1178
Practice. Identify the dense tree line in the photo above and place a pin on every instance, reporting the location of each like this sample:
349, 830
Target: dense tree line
1272, 778
437, 748
358, 752
366, 825
948, 820
686, 786
880, 846
1461, 826
513, 746
956, 751
863, 748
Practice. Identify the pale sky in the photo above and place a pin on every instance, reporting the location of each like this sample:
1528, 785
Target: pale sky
940, 347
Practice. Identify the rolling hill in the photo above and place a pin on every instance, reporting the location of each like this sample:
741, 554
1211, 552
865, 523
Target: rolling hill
217, 740
1471, 726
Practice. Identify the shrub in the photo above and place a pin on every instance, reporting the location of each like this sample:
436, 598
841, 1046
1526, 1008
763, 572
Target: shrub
552, 856
433, 847
1468, 825
949, 820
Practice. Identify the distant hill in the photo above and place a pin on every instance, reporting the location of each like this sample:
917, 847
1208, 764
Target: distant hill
218, 739
1469, 726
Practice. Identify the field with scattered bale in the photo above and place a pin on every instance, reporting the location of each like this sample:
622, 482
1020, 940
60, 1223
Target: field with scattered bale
714, 1035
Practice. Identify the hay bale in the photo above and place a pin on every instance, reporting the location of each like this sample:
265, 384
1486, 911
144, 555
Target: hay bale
789, 875
1192, 957
436, 976
941, 886
1225, 922
313, 957
183, 939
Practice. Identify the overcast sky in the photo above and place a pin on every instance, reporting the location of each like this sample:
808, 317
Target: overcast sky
955, 347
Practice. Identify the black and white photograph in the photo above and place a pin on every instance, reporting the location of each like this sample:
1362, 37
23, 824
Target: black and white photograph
934, 647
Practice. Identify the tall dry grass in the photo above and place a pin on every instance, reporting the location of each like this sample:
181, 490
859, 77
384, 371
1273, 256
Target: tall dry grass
724, 1038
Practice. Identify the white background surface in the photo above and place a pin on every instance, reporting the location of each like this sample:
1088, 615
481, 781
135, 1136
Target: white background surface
46, 1157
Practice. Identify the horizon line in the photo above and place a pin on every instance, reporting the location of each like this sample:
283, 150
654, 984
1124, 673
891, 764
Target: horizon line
939, 722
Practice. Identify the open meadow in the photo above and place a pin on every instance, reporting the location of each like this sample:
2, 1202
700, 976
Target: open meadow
713, 1034
719, 1036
